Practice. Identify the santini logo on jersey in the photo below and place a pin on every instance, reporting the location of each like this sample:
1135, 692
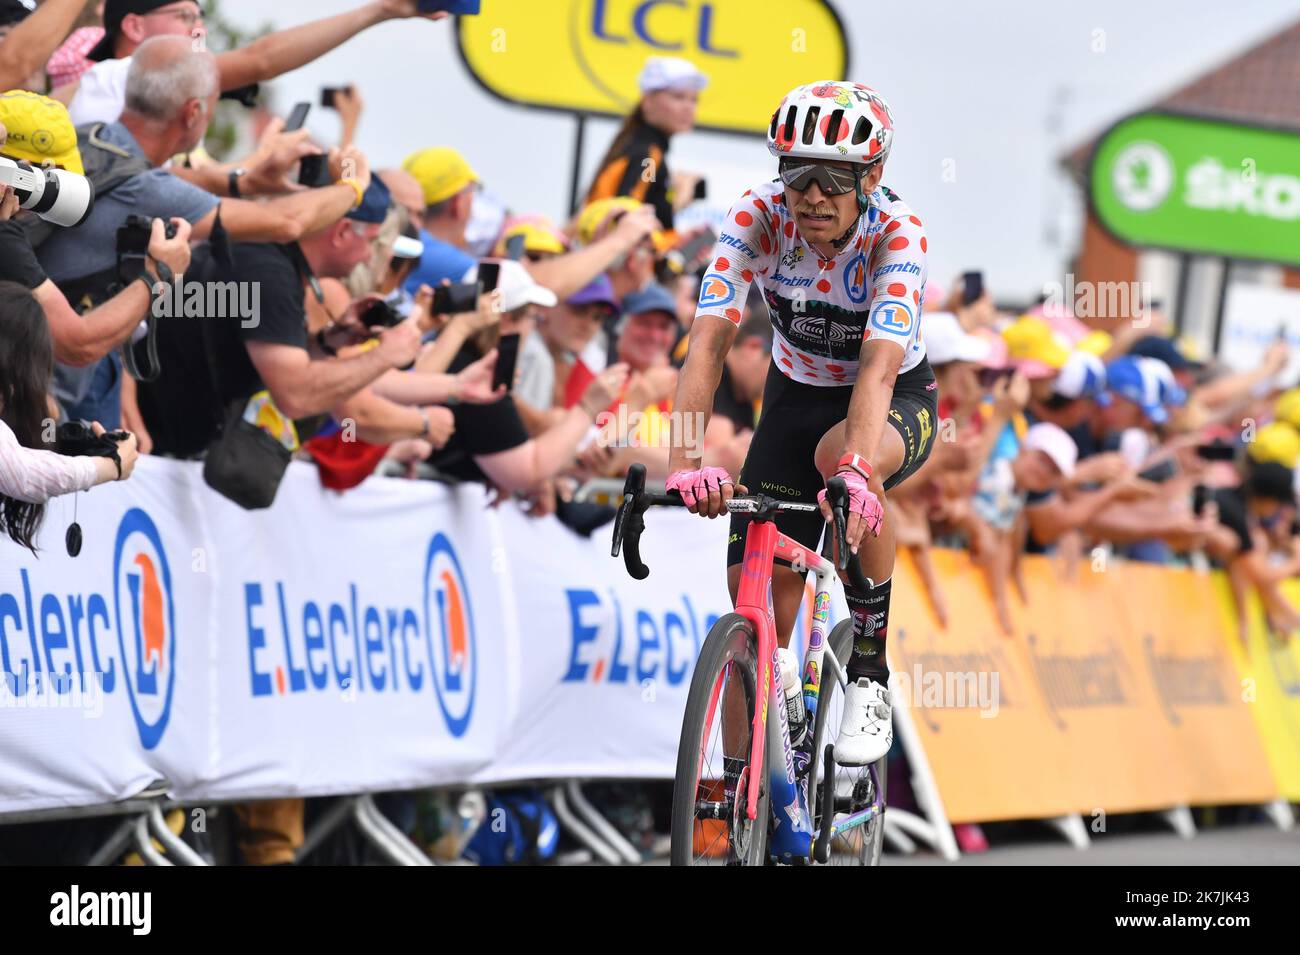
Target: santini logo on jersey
791, 281
735, 243
901, 268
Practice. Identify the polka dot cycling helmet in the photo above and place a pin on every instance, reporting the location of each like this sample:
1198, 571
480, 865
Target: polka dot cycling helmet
832, 120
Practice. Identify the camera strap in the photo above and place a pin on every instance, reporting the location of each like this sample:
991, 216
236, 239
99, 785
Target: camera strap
305, 271
151, 368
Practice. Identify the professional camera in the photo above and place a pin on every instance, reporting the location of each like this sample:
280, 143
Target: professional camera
133, 246
56, 195
78, 440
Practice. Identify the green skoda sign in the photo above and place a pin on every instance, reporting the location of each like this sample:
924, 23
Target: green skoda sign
1200, 185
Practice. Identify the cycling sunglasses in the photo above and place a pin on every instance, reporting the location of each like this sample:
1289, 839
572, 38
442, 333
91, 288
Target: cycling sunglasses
833, 180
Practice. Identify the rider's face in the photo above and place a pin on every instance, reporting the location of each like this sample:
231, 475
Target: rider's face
821, 217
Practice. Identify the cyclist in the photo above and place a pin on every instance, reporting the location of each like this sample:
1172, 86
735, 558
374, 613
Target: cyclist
841, 262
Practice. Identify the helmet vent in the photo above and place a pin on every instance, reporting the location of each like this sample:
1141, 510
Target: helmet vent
810, 124
789, 124
833, 127
861, 131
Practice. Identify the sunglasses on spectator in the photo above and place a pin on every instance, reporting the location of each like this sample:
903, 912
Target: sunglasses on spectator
186, 15
833, 180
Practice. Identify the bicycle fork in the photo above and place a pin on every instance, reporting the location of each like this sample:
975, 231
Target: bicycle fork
792, 830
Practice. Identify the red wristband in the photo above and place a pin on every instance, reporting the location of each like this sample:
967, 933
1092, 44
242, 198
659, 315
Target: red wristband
855, 462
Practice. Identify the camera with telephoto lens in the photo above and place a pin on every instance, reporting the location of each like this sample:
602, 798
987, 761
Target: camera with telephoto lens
56, 195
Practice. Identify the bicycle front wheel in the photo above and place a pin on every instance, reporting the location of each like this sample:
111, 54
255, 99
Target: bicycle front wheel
856, 788
709, 825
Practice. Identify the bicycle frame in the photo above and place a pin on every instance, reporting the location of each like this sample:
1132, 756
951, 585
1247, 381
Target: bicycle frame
764, 543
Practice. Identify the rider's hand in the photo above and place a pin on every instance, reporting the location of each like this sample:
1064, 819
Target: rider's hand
866, 512
705, 491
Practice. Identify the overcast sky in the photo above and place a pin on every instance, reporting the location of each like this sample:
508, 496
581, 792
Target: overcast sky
974, 87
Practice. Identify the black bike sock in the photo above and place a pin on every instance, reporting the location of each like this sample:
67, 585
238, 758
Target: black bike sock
870, 613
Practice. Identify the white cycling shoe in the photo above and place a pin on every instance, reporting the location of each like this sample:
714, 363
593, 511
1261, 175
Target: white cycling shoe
867, 729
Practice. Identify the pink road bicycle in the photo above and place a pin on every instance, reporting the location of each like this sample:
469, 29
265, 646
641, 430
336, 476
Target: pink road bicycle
788, 804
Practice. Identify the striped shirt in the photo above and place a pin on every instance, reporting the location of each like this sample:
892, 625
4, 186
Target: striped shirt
36, 476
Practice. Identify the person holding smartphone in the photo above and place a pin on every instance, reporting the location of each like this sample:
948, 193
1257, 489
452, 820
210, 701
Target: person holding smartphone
491, 443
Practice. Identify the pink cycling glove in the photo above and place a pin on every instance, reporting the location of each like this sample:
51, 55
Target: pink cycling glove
862, 501
696, 485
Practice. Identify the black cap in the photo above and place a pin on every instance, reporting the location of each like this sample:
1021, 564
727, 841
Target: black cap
1271, 480
15, 11
1157, 346
115, 11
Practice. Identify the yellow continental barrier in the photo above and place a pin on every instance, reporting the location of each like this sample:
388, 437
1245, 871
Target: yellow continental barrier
1270, 676
1117, 692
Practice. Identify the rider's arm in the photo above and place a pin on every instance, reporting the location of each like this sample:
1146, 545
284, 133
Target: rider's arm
696, 385
872, 393
744, 249
891, 330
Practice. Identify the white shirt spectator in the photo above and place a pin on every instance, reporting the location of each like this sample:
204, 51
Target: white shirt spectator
36, 476
101, 96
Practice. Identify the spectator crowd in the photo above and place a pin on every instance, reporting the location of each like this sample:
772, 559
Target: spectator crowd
364, 313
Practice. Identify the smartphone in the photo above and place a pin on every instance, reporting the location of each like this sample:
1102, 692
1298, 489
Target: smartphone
701, 190
701, 243
297, 117
457, 297
327, 94
507, 355
314, 171
489, 273
972, 286
1216, 451
459, 7
515, 248
380, 314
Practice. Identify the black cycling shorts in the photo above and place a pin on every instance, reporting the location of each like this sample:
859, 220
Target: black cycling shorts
795, 416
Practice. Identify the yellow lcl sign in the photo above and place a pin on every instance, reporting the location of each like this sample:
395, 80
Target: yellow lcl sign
585, 55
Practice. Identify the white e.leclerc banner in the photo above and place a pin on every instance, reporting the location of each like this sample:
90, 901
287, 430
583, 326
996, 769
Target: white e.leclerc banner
402, 634
1254, 317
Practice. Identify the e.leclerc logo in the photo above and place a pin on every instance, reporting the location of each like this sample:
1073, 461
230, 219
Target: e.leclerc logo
449, 630
60, 649
145, 618
356, 646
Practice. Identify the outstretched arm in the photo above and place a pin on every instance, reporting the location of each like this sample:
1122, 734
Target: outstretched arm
29, 45
274, 55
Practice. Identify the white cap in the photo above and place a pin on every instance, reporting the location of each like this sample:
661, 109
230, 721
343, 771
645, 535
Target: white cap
404, 247
516, 286
1052, 440
946, 341
670, 73
1082, 376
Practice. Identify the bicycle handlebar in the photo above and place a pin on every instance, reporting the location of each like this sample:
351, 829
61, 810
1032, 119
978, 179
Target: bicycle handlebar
629, 522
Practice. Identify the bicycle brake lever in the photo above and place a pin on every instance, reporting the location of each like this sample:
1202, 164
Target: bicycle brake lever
837, 494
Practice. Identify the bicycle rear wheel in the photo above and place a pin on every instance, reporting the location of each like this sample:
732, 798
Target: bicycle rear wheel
707, 827
856, 787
